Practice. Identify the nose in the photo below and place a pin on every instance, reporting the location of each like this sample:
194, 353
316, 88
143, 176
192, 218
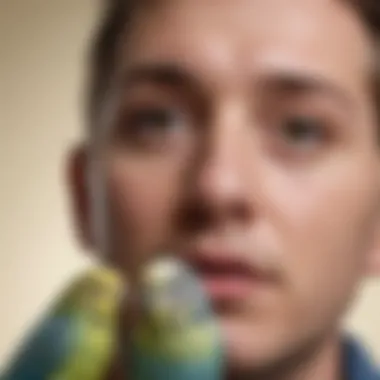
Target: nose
219, 190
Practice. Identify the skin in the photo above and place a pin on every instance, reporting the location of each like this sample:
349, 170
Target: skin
268, 136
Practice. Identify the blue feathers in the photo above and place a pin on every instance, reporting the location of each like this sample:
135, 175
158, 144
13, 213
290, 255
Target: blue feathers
177, 335
46, 349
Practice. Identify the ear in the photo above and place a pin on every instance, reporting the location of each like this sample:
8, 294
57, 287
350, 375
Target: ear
79, 194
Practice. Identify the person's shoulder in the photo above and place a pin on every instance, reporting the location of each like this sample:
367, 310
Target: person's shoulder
377, 373
359, 363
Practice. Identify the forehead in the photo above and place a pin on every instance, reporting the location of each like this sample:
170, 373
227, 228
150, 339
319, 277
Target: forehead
224, 41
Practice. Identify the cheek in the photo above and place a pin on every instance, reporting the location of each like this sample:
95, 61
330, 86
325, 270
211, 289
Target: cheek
324, 223
143, 196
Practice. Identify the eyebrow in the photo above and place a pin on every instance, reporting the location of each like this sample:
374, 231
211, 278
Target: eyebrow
164, 74
299, 83
290, 82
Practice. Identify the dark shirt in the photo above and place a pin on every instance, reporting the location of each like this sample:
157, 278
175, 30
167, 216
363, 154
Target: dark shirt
358, 364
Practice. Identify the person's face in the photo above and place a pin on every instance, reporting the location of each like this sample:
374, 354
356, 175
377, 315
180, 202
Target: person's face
247, 140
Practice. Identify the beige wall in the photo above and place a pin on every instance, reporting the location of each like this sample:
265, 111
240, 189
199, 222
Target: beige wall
41, 51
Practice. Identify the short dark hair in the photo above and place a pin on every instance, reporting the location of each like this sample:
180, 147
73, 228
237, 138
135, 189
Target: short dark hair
117, 16
103, 53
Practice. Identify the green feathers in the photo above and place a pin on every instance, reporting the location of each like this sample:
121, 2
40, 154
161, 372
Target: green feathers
76, 339
92, 304
177, 336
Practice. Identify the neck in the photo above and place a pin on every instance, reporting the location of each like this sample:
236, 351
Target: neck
322, 361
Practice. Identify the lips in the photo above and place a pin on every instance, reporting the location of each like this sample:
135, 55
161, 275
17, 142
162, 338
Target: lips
226, 276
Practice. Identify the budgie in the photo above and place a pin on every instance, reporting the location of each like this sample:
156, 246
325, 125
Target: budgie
176, 337
76, 340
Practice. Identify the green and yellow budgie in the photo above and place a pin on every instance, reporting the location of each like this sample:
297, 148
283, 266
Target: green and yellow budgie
76, 340
175, 338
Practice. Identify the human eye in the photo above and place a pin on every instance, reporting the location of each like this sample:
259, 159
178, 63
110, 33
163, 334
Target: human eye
305, 132
151, 127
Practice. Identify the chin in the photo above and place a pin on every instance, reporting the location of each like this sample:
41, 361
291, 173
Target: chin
251, 346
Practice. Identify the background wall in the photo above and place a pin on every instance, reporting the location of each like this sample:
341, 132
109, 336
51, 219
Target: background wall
42, 46
42, 49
